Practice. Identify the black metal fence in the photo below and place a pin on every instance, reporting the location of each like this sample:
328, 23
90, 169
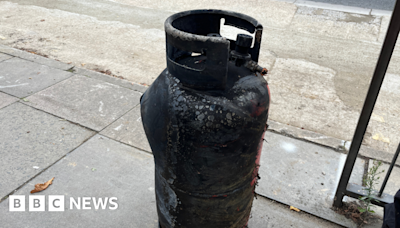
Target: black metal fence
344, 187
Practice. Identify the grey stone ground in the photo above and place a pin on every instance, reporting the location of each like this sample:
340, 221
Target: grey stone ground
321, 58
29, 78
90, 102
331, 51
293, 162
6, 100
53, 133
30, 137
374, 4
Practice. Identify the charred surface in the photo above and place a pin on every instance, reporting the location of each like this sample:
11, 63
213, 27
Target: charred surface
206, 143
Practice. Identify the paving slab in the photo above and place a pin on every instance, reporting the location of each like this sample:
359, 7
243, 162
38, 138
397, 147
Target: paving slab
342, 8
99, 168
303, 175
4, 57
336, 24
31, 140
34, 58
269, 213
331, 142
110, 79
86, 101
376, 154
304, 96
129, 129
22, 78
306, 135
102, 167
6, 99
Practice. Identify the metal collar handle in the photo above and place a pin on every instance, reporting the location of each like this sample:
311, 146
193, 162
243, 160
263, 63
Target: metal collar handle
187, 32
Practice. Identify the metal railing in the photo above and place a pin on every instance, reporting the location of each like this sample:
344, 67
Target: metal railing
344, 187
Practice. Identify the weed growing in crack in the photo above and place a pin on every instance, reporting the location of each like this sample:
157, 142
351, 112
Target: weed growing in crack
369, 183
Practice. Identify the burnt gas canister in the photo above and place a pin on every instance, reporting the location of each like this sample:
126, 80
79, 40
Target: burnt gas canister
205, 117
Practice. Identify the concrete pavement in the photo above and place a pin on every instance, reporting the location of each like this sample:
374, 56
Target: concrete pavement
85, 130
320, 63
373, 4
331, 51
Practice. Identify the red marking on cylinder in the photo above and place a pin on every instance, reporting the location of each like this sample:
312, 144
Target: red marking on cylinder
245, 226
258, 158
237, 209
257, 108
248, 217
269, 95
214, 196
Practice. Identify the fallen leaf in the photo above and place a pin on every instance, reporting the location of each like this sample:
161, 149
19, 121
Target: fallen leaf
83, 64
93, 169
41, 187
377, 118
294, 209
24, 99
2, 37
42, 20
380, 137
72, 164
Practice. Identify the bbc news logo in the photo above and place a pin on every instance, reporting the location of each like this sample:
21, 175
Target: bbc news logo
57, 203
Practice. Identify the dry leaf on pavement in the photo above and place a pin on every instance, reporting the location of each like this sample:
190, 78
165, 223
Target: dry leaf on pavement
41, 187
294, 209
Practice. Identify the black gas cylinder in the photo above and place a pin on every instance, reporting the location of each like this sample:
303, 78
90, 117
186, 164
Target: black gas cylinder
205, 117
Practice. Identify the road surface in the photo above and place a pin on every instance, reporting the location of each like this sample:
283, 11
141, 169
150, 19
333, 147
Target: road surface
369, 4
